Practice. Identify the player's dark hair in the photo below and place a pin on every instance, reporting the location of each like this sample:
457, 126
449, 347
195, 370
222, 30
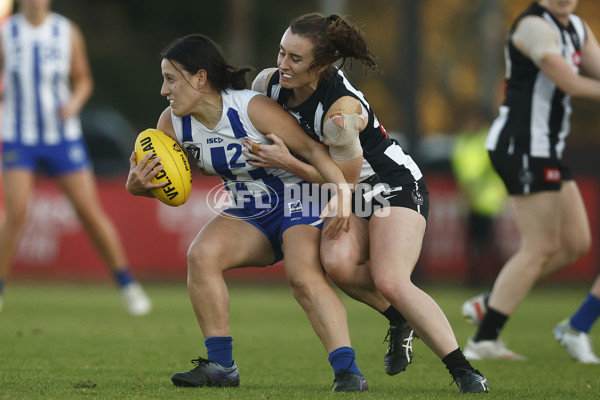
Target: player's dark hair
333, 39
195, 52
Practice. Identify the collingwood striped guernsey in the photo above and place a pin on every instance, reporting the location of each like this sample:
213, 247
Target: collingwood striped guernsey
382, 155
534, 118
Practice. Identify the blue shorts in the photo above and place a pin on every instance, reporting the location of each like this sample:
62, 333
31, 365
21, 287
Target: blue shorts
56, 160
274, 217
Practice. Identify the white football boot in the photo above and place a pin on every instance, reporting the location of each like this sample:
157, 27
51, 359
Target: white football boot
489, 350
135, 299
475, 309
577, 344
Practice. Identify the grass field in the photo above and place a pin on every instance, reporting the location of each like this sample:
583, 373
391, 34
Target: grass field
78, 342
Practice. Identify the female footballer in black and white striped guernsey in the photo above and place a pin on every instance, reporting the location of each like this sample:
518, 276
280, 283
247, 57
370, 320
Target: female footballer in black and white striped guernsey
545, 50
331, 110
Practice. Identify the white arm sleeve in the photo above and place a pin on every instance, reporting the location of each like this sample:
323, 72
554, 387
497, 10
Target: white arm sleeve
260, 82
535, 38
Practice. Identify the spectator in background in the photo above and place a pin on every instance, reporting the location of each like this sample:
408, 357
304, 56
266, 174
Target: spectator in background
546, 47
47, 81
483, 191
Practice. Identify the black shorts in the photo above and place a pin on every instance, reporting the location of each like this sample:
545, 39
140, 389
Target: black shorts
524, 174
371, 195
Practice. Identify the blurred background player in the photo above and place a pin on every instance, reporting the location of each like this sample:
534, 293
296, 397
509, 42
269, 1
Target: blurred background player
545, 49
6, 9
47, 81
483, 191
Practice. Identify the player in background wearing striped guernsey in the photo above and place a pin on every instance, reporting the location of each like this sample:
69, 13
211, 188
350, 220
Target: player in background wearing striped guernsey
47, 81
390, 231
546, 47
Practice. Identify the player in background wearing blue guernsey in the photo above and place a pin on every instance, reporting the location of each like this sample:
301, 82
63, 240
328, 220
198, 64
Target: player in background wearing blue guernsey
47, 81
211, 114
545, 49
334, 112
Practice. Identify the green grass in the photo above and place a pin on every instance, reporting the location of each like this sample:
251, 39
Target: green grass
77, 342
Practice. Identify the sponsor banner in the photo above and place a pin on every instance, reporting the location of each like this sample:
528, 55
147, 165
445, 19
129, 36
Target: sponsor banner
156, 237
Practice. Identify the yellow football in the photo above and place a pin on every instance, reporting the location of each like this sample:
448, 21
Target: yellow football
176, 169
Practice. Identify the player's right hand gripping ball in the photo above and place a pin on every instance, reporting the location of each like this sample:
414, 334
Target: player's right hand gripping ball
176, 168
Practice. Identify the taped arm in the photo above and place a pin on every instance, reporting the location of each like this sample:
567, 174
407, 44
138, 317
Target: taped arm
536, 39
259, 84
343, 123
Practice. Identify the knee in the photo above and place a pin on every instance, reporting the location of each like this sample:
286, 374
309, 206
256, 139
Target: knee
577, 247
339, 267
543, 250
305, 286
201, 257
14, 222
392, 286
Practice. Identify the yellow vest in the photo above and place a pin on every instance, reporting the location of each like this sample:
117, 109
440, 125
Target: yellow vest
475, 174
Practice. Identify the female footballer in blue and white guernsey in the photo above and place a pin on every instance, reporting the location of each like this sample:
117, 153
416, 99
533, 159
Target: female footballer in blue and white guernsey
211, 114
47, 81
546, 49
392, 226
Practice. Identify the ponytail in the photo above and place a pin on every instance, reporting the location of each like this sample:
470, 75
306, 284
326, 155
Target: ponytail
333, 39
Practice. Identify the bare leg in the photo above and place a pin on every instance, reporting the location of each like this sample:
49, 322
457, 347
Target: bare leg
344, 260
595, 290
575, 235
80, 188
395, 247
551, 241
18, 188
224, 243
306, 276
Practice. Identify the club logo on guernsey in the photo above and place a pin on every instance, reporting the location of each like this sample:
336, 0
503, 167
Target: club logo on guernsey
526, 177
295, 206
417, 197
